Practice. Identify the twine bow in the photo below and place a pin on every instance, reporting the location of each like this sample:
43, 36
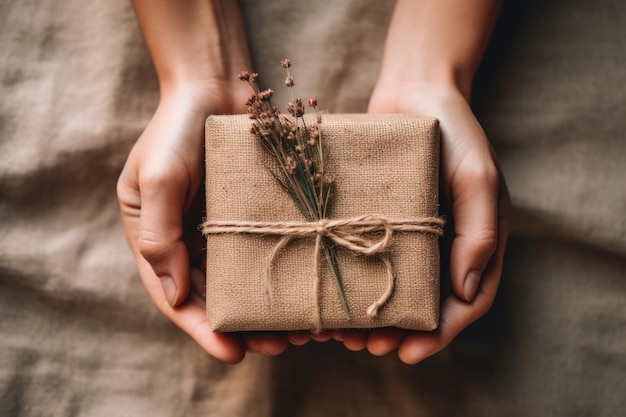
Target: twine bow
366, 235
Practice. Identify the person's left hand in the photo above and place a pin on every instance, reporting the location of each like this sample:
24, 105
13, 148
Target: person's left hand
476, 192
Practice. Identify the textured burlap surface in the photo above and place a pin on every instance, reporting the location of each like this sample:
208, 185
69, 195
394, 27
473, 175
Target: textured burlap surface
383, 165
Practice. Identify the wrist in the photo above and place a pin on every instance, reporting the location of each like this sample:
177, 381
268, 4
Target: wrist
199, 44
416, 95
203, 73
441, 78
206, 96
438, 42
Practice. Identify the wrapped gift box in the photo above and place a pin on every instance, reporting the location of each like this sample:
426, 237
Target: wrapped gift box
384, 166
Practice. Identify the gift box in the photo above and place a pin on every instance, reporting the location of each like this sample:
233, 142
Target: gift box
386, 176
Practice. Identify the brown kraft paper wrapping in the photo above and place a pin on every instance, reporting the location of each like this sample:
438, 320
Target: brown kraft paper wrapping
386, 165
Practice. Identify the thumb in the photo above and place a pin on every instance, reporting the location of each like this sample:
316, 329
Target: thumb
475, 209
159, 238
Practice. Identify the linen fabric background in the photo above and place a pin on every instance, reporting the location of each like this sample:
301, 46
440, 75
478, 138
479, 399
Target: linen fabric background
79, 336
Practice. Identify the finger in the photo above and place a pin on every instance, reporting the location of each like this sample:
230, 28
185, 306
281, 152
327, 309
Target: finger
458, 314
130, 200
354, 340
337, 335
324, 336
474, 193
299, 338
191, 318
268, 343
382, 341
159, 238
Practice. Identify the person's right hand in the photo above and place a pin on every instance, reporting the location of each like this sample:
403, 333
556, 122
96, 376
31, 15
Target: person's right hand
161, 197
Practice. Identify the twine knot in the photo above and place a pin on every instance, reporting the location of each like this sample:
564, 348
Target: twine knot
367, 235
322, 227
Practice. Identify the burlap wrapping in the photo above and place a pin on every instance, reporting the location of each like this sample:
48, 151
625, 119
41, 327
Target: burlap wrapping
383, 165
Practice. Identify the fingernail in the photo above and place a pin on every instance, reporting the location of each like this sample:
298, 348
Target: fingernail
169, 290
471, 285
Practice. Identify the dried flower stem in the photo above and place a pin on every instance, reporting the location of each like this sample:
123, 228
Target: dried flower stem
298, 152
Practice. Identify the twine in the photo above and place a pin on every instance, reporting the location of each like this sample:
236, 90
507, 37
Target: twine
367, 235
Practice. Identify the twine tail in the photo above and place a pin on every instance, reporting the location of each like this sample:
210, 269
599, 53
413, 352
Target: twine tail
269, 264
316, 285
372, 311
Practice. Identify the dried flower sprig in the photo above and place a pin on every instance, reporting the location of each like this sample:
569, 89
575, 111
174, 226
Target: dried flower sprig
296, 148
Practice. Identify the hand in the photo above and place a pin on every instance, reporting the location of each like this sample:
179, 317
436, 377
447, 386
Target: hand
477, 194
161, 198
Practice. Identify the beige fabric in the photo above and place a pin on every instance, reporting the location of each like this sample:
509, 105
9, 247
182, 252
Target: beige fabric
383, 166
79, 337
